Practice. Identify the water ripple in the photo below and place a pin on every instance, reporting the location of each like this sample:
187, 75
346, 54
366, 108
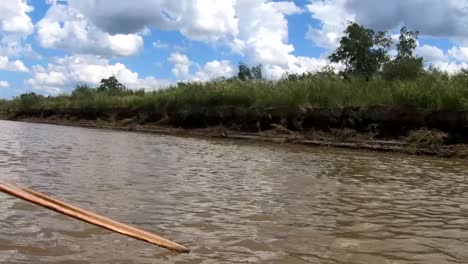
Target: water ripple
230, 202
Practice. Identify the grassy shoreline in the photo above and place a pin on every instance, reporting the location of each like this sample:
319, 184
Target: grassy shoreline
303, 105
433, 90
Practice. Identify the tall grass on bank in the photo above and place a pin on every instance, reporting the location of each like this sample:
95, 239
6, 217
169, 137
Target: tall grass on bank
432, 91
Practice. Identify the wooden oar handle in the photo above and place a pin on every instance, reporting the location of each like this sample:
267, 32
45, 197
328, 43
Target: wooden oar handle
89, 217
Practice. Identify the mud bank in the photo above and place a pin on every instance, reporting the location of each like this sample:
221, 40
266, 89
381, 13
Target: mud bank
402, 129
381, 121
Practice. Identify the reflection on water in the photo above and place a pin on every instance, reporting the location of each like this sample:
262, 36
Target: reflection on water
230, 202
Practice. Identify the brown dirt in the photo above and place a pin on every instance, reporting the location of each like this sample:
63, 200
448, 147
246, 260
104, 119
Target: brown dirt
276, 133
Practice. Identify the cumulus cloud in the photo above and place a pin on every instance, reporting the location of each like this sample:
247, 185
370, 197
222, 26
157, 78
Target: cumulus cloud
214, 69
66, 28
205, 20
450, 67
16, 66
431, 53
14, 18
451, 61
459, 54
64, 73
17, 48
298, 65
15, 26
430, 17
263, 33
4, 84
333, 17
181, 64
211, 70
257, 29
287, 8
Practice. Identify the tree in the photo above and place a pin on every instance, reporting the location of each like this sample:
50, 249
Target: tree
406, 65
408, 43
82, 92
29, 101
111, 86
363, 51
245, 73
257, 72
406, 68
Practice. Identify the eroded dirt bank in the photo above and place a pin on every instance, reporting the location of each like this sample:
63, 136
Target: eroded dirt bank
383, 128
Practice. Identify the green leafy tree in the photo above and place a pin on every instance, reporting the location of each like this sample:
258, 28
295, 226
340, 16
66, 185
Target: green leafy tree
408, 43
363, 51
4, 107
257, 72
406, 65
29, 101
82, 92
112, 86
244, 72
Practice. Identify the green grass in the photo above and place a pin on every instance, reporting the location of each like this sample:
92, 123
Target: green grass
430, 91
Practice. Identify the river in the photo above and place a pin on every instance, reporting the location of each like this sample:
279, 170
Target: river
228, 201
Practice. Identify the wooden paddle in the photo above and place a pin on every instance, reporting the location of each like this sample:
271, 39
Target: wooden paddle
89, 217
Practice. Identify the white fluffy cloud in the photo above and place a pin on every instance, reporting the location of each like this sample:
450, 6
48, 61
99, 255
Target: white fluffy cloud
263, 33
257, 29
206, 20
16, 66
333, 17
430, 17
4, 84
15, 26
214, 69
14, 18
17, 48
66, 28
64, 73
211, 70
287, 8
298, 65
451, 61
433, 18
431, 54
459, 54
181, 64
450, 67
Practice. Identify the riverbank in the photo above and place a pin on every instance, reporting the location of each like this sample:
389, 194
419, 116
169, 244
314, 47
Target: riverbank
402, 129
427, 115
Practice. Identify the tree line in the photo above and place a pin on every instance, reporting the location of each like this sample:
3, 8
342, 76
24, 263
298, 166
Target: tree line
364, 53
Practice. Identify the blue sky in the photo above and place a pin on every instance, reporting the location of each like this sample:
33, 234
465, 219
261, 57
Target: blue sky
49, 46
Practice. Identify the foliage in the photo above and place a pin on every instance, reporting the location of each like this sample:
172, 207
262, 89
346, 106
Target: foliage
245, 73
257, 72
406, 66
363, 51
408, 43
431, 90
82, 92
111, 86
29, 101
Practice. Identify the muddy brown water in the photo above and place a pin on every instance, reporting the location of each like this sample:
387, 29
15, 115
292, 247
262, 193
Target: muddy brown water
229, 201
